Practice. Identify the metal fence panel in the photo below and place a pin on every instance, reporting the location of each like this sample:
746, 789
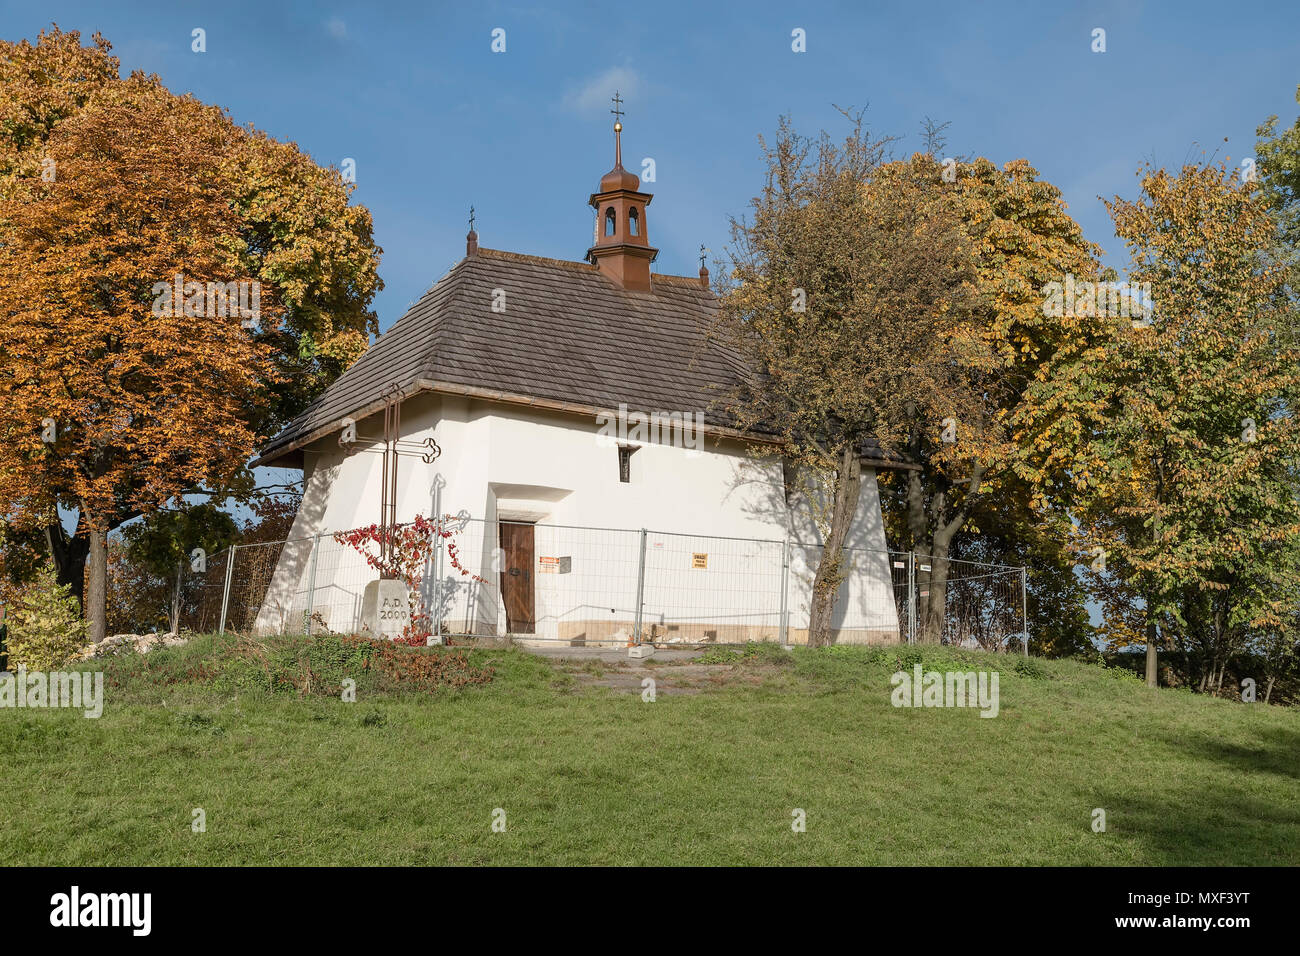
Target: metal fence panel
605, 586
703, 590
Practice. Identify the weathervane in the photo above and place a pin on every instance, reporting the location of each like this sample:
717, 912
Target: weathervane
471, 218
702, 251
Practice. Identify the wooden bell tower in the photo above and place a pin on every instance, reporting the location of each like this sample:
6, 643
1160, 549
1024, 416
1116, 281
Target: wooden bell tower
621, 245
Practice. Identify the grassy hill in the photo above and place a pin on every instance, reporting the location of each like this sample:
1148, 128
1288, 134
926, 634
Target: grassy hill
589, 772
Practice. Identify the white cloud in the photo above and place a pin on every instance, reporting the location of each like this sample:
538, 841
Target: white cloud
337, 28
593, 95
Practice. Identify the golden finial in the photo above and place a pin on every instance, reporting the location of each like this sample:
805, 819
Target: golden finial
618, 130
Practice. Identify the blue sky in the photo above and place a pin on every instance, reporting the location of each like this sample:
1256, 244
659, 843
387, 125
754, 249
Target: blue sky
435, 120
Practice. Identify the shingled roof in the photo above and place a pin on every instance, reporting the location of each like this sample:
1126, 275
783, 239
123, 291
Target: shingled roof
568, 339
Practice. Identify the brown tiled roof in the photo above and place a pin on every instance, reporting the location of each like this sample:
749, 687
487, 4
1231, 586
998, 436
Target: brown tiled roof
568, 338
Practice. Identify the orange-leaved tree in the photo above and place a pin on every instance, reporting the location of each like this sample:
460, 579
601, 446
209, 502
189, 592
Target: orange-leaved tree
176, 287
113, 401
965, 440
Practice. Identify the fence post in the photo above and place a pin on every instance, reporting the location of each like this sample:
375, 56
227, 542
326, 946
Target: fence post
911, 597
785, 592
640, 591
225, 592
311, 584
1024, 605
437, 580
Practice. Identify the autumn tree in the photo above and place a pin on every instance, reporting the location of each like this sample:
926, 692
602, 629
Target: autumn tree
965, 439
112, 403
1277, 171
112, 188
1176, 430
1277, 158
844, 294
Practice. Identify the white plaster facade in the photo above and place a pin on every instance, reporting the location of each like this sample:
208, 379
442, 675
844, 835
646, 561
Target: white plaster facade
512, 462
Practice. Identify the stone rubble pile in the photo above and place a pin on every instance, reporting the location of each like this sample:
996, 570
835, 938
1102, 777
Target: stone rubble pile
143, 643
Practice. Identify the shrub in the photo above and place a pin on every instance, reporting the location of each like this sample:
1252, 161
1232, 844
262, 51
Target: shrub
719, 655
1028, 667
306, 665
1120, 672
45, 627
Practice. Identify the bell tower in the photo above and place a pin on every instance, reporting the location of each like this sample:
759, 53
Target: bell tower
621, 247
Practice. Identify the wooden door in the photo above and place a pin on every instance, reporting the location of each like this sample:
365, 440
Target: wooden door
517, 576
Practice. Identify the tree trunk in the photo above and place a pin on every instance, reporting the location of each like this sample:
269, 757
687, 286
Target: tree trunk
1153, 678
69, 555
1220, 644
1268, 689
830, 569
936, 604
96, 604
932, 523
176, 601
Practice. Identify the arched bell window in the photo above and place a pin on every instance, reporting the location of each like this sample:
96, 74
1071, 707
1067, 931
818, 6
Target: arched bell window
633, 223
610, 221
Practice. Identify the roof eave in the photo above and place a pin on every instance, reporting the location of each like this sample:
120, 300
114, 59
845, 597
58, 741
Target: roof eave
297, 447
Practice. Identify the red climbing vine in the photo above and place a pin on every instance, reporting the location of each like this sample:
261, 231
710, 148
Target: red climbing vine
410, 547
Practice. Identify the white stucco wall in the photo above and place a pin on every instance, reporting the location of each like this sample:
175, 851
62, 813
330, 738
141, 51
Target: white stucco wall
502, 462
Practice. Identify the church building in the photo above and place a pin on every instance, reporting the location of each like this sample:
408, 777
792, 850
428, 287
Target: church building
574, 411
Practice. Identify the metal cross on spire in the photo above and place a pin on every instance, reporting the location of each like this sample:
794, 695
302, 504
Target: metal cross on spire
618, 113
471, 218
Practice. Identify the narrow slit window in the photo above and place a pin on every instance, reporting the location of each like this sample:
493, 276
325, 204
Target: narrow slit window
610, 221
633, 223
625, 462
789, 478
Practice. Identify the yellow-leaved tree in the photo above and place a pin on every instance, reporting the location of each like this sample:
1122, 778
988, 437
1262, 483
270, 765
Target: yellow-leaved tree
1179, 428
175, 288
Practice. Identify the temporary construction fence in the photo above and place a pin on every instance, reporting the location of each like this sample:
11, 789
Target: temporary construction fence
609, 586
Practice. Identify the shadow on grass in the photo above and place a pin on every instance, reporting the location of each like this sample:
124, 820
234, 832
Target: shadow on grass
1242, 811
1218, 826
1274, 750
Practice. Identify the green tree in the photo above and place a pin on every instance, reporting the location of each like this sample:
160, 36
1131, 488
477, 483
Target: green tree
1279, 649
164, 544
1176, 430
1277, 168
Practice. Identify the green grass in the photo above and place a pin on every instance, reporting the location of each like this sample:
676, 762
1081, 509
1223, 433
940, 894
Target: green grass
587, 774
